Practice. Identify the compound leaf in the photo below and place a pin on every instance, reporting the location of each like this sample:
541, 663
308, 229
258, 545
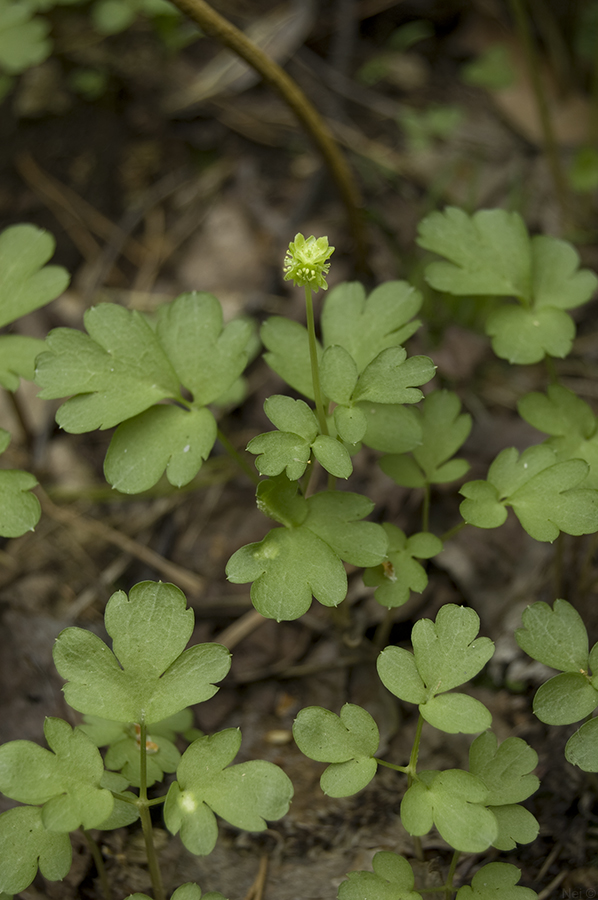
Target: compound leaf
496, 881
367, 326
115, 371
556, 637
149, 676
26, 283
400, 573
207, 356
244, 795
451, 800
163, 438
392, 879
26, 844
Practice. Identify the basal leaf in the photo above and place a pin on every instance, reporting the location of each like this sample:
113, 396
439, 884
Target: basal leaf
525, 336
288, 353
245, 795
391, 378
391, 428
392, 879
25, 844
19, 508
207, 355
398, 672
504, 769
557, 280
26, 283
556, 637
489, 252
456, 713
496, 881
148, 676
163, 438
115, 372
565, 699
516, 825
582, 747
17, 358
365, 327
448, 652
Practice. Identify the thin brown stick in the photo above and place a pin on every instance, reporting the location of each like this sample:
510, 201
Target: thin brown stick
227, 34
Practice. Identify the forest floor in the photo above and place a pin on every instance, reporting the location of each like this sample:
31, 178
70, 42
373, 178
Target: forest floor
150, 191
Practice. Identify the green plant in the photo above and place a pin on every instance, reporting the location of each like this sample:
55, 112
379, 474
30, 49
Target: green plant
134, 698
161, 381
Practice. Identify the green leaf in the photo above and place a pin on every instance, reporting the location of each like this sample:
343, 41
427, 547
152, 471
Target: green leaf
448, 652
293, 416
207, 356
390, 378
24, 41
17, 359
332, 456
452, 800
66, 781
392, 879
391, 428
288, 356
26, 283
398, 672
516, 825
557, 281
540, 490
19, 509
25, 844
351, 423
163, 438
496, 881
365, 327
565, 699
526, 336
582, 747
244, 795
116, 371
348, 742
489, 252
400, 573
149, 675
456, 713
556, 637
280, 452
338, 374
290, 565
444, 430
505, 770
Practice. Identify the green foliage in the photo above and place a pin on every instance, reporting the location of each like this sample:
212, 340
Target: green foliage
492, 70
26, 844
392, 879
423, 127
494, 881
149, 675
122, 368
546, 495
304, 558
446, 653
24, 38
348, 742
444, 430
491, 253
187, 891
244, 795
400, 574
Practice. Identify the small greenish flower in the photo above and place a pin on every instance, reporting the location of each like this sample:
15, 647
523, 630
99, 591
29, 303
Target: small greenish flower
306, 262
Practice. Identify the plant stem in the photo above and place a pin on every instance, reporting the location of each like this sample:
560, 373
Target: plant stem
313, 355
99, 863
550, 146
426, 508
146, 819
415, 750
452, 531
223, 31
238, 458
382, 762
449, 889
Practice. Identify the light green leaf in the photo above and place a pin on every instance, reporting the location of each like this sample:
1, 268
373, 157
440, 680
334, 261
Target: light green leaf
557, 281
245, 795
335, 517
351, 423
25, 844
207, 356
505, 770
294, 416
582, 747
398, 672
19, 509
482, 506
391, 428
526, 336
456, 713
400, 573
24, 41
163, 438
496, 881
392, 879
338, 374
556, 637
112, 16
516, 825
448, 652
453, 801
288, 356
403, 470
116, 371
280, 451
565, 699
332, 456
26, 283
147, 675
66, 781
367, 326
17, 359
390, 378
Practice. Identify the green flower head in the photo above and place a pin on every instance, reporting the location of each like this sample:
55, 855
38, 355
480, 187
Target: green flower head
306, 262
